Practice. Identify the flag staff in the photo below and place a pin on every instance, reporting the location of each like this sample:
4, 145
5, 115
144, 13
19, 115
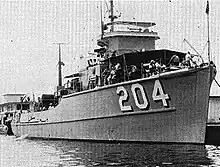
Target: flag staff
102, 23
207, 12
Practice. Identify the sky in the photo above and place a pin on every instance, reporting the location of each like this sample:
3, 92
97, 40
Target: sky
29, 29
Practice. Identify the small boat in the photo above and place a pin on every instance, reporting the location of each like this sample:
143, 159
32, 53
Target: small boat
10, 108
3, 129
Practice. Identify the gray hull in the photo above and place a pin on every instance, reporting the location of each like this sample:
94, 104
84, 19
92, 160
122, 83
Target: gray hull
131, 111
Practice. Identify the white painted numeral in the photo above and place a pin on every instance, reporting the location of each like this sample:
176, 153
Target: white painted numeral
140, 87
123, 98
158, 93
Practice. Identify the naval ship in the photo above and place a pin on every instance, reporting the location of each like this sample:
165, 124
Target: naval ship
129, 91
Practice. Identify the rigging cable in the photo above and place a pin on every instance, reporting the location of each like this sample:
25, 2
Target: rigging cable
216, 82
204, 48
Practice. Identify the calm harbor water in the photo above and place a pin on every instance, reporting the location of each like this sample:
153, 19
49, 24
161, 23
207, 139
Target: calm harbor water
62, 153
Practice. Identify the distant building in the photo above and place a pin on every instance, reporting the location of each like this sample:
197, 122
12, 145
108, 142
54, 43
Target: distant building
12, 103
12, 98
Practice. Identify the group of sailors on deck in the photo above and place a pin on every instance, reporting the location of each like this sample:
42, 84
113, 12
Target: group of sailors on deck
113, 75
190, 61
116, 72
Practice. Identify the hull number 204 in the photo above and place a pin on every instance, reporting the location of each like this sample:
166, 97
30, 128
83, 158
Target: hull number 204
157, 95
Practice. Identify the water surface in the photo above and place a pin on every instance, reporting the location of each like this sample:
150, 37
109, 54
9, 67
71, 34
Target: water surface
63, 153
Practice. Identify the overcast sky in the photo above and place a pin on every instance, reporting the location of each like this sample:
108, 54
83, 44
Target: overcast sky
28, 30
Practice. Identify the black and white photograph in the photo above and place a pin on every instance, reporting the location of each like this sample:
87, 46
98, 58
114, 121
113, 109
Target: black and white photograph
109, 83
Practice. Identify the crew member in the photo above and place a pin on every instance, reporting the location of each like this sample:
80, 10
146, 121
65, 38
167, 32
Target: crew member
188, 60
118, 72
152, 67
175, 60
105, 75
112, 75
197, 61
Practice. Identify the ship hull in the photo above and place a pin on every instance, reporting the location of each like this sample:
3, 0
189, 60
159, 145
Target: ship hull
171, 107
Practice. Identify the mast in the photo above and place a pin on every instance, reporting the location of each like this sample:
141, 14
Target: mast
60, 63
60, 68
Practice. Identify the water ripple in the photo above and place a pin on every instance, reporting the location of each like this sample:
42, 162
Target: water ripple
58, 153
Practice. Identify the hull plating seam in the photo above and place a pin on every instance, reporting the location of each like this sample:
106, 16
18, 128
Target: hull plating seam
155, 111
